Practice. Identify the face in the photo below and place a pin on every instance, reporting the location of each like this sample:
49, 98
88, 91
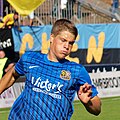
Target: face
2, 54
15, 16
61, 45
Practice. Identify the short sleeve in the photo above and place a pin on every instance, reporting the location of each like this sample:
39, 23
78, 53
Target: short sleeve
85, 78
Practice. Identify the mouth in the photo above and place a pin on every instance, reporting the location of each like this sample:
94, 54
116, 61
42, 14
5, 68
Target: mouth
65, 53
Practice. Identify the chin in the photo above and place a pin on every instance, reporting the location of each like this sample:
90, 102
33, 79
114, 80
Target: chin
61, 57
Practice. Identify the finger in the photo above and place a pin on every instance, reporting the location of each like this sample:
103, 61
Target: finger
83, 88
89, 93
80, 90
86, 88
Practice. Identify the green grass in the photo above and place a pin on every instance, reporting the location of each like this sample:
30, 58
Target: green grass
110, 111
4, 113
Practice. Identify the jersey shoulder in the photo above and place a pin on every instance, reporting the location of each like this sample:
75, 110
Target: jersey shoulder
74, 65
32, 55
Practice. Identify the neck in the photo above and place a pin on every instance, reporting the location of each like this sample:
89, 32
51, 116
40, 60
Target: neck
52, 57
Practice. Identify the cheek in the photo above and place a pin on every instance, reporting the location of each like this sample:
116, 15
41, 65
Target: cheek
57, 47
70, 48
2, 55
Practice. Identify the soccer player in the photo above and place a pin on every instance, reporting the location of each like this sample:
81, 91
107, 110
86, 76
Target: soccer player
51, 80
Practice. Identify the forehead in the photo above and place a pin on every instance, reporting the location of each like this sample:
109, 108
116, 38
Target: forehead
67, 35
1, 51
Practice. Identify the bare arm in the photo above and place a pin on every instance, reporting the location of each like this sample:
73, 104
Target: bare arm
9, 67
8, 79
92, 105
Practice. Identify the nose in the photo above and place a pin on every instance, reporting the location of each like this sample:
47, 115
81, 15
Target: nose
66, 45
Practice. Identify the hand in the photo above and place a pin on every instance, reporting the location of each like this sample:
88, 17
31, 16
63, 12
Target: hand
85, 93
3, 26
9, 67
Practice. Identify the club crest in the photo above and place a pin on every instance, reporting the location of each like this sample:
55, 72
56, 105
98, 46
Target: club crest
65, 75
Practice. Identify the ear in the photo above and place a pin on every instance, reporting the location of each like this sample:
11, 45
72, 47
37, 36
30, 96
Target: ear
51, 38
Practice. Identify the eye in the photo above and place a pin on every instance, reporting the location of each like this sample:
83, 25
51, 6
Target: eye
71, 43
63, 40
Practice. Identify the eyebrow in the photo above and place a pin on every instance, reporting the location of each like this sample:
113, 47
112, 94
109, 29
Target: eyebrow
72, 42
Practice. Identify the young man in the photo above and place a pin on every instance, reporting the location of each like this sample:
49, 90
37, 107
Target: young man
51, 80
10, 20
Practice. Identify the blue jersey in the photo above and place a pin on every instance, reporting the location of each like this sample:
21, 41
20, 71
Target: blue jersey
50, 88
